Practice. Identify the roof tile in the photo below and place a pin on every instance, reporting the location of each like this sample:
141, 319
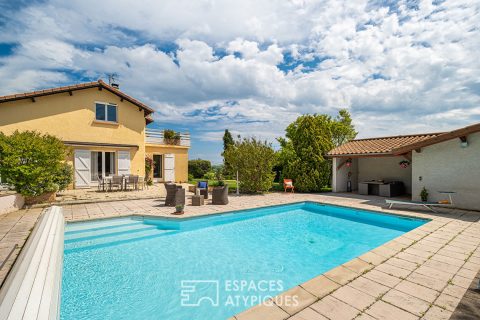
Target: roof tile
93, 84
383, 145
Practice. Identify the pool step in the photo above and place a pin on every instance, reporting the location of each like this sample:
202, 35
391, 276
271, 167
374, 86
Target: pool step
110, 232
110, 235
77, 227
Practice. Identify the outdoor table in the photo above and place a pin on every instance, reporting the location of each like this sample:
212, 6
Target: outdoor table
197, 200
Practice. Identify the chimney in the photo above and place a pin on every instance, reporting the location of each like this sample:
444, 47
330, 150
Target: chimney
112, 80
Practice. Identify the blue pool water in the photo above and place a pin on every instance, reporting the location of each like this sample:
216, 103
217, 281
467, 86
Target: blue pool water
133, 268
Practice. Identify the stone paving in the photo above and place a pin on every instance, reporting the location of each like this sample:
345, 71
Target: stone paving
95, 195
422, 274
15, 228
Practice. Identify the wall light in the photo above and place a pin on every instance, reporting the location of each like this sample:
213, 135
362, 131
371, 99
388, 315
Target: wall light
464, 142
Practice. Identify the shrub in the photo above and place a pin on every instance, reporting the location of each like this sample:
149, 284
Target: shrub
34, 164
209, 175
65, 176
424, 194
171, 137
149, 167
198, 168
190, 177
254, 161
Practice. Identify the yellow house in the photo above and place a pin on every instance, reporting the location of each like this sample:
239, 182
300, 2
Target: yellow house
105, 127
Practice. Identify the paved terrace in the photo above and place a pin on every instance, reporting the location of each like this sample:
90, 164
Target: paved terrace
422, 274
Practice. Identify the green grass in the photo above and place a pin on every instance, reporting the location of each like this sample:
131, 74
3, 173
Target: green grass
214, 183
232, 185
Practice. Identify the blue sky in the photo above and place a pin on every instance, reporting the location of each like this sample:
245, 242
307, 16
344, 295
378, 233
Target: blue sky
253, 66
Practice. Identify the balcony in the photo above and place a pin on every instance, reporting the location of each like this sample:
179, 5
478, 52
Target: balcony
155, 136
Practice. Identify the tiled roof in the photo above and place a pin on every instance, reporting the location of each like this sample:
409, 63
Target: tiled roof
87, 85
380, 146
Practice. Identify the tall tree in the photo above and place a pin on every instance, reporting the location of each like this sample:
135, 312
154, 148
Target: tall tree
342, 128
307, 140
228, 142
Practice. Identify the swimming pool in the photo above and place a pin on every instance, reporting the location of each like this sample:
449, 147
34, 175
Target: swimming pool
210, 267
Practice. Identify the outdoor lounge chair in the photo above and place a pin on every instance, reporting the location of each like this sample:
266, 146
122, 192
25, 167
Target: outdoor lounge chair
175, 195
444, 203
288, 184
203, 187
220, 195
427, 205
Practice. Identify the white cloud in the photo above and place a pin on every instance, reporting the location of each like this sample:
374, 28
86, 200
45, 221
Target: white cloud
399, 69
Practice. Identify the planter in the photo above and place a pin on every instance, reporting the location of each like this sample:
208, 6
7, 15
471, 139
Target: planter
179, 208
220, 195
43, 198
174, 142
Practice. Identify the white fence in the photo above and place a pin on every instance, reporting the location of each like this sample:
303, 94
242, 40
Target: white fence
155, 136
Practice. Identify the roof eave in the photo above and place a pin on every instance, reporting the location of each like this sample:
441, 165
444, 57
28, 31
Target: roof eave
360, 155
440, 138
83, 86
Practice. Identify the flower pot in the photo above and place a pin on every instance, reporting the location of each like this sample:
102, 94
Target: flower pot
43, 198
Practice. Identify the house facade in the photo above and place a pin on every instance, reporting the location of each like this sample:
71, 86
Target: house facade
105, 128
444, 163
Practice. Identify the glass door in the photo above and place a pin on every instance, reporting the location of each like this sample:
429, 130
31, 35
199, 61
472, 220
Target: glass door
109, 163
102, 164
158, 166
96, 166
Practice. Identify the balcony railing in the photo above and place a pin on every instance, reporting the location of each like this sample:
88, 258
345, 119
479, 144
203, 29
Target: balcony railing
155, 136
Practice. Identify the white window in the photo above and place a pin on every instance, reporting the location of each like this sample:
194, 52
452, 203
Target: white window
106, 112
102, 164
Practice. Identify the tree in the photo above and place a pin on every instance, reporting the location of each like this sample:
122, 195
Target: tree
34, 164
308, 139
198, 168
228, 142
342, 128
254, 161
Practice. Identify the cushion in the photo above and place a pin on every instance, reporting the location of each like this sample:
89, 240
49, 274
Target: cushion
202, 184
288, 184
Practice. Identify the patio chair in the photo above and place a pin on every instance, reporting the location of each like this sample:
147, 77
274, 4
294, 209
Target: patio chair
101, 183
116, 182
288, 184
220, 195
203, 187
175, 195
142, 182
131, 181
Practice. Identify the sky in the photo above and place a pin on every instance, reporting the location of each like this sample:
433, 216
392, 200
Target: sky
254, 66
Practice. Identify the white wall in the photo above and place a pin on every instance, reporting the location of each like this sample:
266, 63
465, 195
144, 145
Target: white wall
447, 166
11, 202
385, 168
340, 177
